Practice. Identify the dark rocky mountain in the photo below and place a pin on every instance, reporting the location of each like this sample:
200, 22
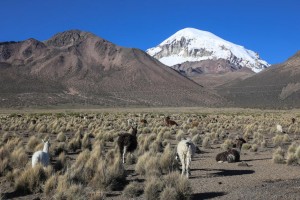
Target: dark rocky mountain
76, 67
275, 87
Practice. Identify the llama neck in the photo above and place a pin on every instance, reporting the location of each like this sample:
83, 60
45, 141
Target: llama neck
134, 131
46, 148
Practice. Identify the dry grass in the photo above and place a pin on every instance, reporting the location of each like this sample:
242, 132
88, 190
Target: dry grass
31, 179
133, 189
89, 165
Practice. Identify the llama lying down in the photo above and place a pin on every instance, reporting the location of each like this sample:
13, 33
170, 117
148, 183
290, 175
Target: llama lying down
233, 154
185, 151
42, 157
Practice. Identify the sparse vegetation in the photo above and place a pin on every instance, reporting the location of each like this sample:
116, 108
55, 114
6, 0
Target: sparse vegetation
85, 160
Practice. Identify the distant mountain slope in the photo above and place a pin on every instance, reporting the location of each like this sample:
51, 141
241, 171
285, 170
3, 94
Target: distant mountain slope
79, 67
275, 87
191, 45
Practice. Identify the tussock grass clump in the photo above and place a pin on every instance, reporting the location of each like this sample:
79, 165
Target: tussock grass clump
59, 148
180, 183
31, 179
292, 159
109, 177
18, 158
193, 131
278, 156
153, 187
277, 140
32, 143
197, 139
205, 142
61, 137
172, 186
263, 144
246, 146
167, 160
286, 138
61, 163
146, 130
293, 147
228, 143
133, 189
68, 190
51, 184
254, 148
168, 193
179, 135
297, 153
86, 142
148, 165
74, 144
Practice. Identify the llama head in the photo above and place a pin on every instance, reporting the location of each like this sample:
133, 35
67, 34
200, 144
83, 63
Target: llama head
134, 128
46, 145
238, 143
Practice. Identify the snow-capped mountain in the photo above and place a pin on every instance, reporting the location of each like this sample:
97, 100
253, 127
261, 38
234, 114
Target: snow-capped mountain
192, 45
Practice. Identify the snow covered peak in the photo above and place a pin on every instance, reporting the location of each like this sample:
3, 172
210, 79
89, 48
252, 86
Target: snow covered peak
192, 45
191, 33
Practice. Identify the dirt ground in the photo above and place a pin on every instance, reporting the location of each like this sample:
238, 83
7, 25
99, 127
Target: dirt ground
255, 177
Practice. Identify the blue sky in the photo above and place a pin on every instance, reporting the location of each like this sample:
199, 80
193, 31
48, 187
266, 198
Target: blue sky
270, 28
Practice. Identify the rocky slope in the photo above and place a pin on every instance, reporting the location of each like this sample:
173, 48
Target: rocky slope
275, 87
76, 67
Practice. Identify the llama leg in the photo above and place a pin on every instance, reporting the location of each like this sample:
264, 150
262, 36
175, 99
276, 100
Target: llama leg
182, 165
124, 152
188, 162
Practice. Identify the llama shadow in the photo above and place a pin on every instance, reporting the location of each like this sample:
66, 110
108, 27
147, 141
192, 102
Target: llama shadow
256, 159
14, 194
229, 172
222, 172
207, 195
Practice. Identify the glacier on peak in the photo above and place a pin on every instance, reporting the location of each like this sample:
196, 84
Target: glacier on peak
192, 45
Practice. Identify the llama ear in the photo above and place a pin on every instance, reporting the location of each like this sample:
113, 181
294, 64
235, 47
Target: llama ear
43, 140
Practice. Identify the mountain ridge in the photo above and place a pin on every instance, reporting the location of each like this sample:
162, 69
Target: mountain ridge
77, 67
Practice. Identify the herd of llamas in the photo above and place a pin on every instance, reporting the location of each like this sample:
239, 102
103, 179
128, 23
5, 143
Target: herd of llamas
130, 133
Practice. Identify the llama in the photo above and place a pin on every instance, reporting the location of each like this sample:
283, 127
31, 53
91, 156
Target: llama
143, 121
42, 157
185, 151
279, 128
293, 120
170, 122
233, 154
127, 142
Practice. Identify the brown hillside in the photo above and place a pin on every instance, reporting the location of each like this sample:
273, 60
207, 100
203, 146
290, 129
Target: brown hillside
275, 87
79, 67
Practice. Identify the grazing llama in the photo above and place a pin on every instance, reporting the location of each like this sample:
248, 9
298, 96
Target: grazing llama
127, 142
233, 154
185, 151
170, 122
42, 157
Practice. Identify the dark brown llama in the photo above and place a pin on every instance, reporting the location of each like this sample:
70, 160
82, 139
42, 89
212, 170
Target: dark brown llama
127, 142
233, 154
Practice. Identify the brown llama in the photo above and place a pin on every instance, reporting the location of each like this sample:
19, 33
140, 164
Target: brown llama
233, 154
127, 142
170, 122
